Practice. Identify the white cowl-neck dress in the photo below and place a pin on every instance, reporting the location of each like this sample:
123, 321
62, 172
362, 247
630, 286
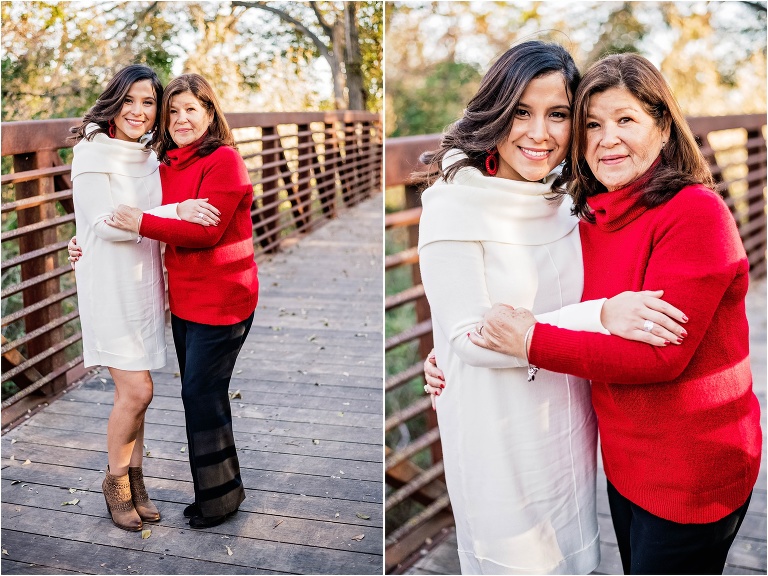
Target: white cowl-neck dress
120, 285
520, 457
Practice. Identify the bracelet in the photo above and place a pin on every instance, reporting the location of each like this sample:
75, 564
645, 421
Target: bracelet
531, 368
139, 238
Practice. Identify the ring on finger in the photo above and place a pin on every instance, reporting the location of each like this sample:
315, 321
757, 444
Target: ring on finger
426, 389
648, 326
200, 215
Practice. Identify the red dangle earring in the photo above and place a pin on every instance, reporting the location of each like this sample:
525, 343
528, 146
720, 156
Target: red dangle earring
491, 163
111, 130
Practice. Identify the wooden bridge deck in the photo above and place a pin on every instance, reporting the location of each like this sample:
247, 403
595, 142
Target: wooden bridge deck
748, 553
308, 426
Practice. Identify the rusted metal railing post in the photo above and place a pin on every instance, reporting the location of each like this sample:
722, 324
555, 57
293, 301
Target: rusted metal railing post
29, 243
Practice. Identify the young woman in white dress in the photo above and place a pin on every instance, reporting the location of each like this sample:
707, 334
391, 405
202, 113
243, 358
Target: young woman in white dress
520, 458
120, 286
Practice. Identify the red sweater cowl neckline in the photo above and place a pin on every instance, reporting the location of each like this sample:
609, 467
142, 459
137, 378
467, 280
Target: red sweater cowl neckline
180, 158
614, 210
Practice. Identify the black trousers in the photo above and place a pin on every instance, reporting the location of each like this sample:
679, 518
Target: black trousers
651, 545
207, 356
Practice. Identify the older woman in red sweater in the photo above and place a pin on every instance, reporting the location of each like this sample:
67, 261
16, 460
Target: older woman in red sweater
212, 283
679, 425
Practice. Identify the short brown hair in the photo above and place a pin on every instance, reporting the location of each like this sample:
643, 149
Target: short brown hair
682, 163
219, 133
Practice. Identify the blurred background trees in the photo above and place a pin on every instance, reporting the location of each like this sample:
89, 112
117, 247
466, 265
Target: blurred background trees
260, 56
713, 54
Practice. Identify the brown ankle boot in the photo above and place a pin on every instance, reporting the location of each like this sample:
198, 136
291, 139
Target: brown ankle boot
144, 506
117, 494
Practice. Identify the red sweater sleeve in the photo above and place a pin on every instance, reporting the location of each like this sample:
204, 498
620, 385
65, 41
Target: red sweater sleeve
224, 183
696, 255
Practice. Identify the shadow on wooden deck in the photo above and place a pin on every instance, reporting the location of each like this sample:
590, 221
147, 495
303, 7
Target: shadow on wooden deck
748, 553
308, 426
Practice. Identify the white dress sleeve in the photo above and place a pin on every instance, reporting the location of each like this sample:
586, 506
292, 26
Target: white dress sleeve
165, 211
454, 281
91, 192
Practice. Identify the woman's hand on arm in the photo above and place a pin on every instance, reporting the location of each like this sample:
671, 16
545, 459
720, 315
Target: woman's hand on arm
625, 315
503, 330
434, 377
75, 252
126, 218
199, 211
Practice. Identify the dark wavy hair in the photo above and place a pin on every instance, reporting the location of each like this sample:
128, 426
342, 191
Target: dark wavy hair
488, 118
682, 163
110, 102
219, 133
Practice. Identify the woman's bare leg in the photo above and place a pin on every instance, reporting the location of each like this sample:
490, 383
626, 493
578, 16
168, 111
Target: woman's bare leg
133, 393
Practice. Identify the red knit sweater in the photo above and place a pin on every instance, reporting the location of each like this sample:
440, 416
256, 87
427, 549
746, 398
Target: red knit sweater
679, 425
212, 275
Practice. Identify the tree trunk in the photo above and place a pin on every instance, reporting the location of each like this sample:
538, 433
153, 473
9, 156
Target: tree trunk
353, 60
337, 45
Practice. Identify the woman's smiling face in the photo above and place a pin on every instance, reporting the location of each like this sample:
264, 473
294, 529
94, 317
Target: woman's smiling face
137, 116
188, 119
540, 136
623, 140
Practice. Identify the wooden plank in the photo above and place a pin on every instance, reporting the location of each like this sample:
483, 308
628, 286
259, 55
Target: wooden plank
345, 430
40, 554
247, 548
173, 494
281, 528
67, 445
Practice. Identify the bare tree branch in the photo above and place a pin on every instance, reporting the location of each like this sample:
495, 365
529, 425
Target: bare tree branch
290, 20
327, 28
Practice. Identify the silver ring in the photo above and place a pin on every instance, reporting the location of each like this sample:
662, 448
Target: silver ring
426, 389
647, 326
200, 215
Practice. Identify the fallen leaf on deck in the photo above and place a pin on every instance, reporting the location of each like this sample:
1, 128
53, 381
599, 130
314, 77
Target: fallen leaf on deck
14, 441
71, 502
312, 338
345, 373
337, 515
358, 537
235, 394
12, 457
27, 462
72, 490
229, 550
103, 380
315, 441
176, 374
363, 516
239, 372
15, 482
183, 449
5, 552
146, 533
278, 524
